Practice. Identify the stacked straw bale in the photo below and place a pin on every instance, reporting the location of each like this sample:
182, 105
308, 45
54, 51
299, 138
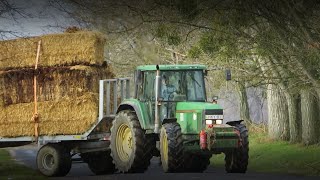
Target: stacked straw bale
83, 47
68, 75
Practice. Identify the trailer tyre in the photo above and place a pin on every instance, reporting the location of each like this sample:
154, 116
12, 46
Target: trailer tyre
236, 161
54, 160
171, 147
99, 162
129, 145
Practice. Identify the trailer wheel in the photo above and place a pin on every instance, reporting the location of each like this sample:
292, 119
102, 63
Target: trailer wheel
130, 149
54, 160
196, 162
236, 161
171, 147
99, 162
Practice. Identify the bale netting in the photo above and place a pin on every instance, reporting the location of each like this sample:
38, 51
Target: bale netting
83, 47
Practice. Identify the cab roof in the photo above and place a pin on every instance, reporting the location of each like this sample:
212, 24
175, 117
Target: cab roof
172, 67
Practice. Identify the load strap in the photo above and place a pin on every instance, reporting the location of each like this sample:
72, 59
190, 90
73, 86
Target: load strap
35, 116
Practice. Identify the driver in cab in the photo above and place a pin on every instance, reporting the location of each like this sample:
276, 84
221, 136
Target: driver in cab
167, 90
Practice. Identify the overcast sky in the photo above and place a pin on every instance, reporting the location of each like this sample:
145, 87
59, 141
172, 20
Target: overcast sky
37, 18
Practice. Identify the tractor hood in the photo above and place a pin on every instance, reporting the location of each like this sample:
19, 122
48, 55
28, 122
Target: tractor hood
191, 115
196, 107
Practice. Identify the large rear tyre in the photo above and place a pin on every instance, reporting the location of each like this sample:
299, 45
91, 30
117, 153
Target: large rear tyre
196, 162
171, 147
99, 162
236, 161
130, 149
54, 160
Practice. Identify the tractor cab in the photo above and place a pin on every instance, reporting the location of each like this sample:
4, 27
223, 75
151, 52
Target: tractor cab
178, 93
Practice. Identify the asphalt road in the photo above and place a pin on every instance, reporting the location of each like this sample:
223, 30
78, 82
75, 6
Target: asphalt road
27, 155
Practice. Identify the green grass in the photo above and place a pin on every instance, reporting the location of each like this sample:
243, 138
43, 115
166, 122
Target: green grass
9, 169
279, 157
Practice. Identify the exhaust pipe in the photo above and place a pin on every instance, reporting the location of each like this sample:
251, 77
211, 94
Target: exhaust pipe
157, 102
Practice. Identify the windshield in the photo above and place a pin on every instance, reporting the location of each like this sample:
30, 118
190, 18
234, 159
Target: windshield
182, 86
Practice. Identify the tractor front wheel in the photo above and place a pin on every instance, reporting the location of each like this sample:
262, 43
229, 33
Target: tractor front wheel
129, 148
171, 147
236, 161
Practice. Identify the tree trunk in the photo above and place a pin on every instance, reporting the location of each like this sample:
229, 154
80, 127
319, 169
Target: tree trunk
243, 100
278, 122
310, 116
294, 117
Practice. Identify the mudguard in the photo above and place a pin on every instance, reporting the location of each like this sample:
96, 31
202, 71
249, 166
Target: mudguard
233, 123
140, 109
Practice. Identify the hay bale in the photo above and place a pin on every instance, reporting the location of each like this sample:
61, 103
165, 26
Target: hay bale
80, 48
68, 116
54, 83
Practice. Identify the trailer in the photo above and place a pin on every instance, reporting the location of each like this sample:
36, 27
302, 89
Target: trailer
57, 152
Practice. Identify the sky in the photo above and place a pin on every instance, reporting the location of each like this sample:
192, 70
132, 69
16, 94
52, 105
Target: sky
37, 18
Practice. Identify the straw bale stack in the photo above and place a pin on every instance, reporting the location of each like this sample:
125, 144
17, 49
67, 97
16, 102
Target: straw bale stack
71, 66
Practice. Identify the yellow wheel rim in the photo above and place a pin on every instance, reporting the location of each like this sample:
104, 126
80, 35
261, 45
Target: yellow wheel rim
164, 145
124, 142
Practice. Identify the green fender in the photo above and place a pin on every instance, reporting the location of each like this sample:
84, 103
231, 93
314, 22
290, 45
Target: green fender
141, 111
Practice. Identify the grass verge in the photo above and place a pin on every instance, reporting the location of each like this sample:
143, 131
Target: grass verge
9, 169
270, 156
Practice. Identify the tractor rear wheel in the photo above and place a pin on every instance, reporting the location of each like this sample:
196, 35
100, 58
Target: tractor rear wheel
171, 147
129, 148
236, 161
99, 162
196, 162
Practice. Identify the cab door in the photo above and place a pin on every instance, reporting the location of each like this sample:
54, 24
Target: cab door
146, 95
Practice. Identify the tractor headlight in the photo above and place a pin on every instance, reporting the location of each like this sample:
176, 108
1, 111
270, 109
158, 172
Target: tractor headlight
214, 119
211, 121
219, 121
208, 122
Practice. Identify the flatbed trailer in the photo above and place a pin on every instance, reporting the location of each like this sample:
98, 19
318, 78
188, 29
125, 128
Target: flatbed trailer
54, 158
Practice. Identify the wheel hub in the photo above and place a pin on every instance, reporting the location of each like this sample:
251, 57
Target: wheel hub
164, 144
124, 142
48, 161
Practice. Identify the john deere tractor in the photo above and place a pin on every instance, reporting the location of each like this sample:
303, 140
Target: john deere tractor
169, 116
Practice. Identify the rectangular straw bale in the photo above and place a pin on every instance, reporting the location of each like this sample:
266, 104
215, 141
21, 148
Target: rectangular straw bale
83, 47
54, 83
68, 116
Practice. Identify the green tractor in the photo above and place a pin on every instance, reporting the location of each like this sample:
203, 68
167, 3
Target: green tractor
169, 116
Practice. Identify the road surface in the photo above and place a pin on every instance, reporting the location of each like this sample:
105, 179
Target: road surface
27, 155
